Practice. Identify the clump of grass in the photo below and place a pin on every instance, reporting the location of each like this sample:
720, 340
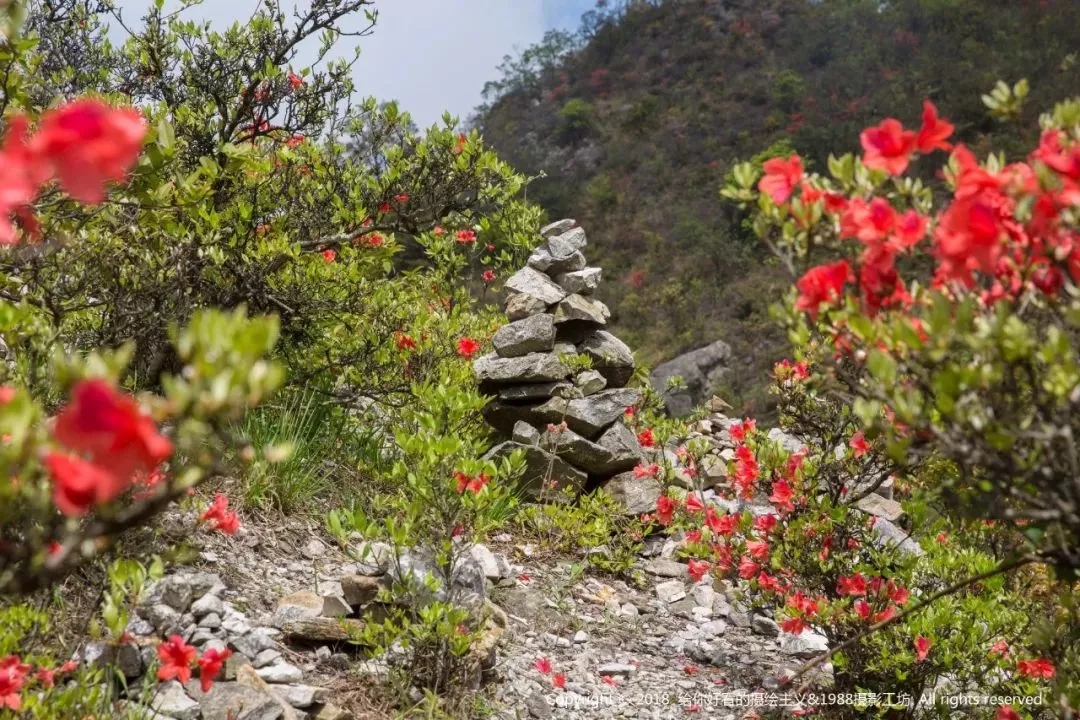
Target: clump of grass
302, 450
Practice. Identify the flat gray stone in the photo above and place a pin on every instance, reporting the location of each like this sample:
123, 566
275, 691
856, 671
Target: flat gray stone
301, 696
534, 367
589, 416
557, 228
171, 701
265, 658
520, 306
583, 282
539, 391
616, 670
575, 307
556, 256
280, 672
671, 591
666, 567
535, 333
880, 507
532, 282
806, 645
545, 474
887, 534
567, 242
610, 356
252, 643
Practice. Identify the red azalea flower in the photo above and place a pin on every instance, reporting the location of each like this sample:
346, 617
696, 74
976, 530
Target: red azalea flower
693, 503
781, 177
858, 444
1038, 668
111, 430
465, 237
219, 514
329, 255
888, 147
922, 647
78, 486
748, 568
697, 569
934, 131
1000, 648
478, 483
862, 608
1005, 712
7, 394
558, 680
210, 665
461, 140
295, 141
295, 81
13, 672
781, 497
488, 276
608, 680
461, 482
645, 438
176, 659
404, 342
438, 231
467, 347
525, 578
665, 509
88, 143
854, 585
758, 549
822, 285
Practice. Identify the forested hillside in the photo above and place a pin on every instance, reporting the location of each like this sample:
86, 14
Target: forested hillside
636, 119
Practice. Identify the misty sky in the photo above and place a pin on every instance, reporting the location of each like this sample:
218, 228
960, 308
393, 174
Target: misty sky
429, 55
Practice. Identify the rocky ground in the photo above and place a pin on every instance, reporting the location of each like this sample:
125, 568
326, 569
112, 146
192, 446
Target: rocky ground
281, 596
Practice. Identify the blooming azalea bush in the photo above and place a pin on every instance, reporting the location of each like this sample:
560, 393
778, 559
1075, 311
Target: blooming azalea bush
947, 321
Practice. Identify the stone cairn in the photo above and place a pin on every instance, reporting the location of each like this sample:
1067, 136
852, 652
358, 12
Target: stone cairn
555, 319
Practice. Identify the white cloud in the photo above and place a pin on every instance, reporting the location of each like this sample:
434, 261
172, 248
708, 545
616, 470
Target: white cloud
429, 55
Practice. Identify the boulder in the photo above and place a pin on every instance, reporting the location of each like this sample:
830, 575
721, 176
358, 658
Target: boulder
545, 474
568, 241
520, 306
591, 457
533, 334
589, 416
699, 369
580, 308
536, 284
636, 495
582, 282
534, 367
610, 357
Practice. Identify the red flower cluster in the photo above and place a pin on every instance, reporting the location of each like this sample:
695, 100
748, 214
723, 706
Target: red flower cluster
219, 514
83, 144
472, 484
467, 347
113, 443
177, 659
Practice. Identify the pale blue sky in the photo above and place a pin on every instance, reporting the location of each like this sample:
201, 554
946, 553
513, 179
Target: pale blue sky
429, 55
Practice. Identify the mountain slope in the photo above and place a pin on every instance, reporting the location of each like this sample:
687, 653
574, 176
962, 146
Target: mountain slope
636, 119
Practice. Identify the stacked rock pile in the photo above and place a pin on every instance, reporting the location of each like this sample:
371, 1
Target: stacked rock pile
541, 382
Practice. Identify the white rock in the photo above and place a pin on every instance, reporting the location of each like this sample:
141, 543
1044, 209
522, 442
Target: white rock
171, 701
281, 672
671, 591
